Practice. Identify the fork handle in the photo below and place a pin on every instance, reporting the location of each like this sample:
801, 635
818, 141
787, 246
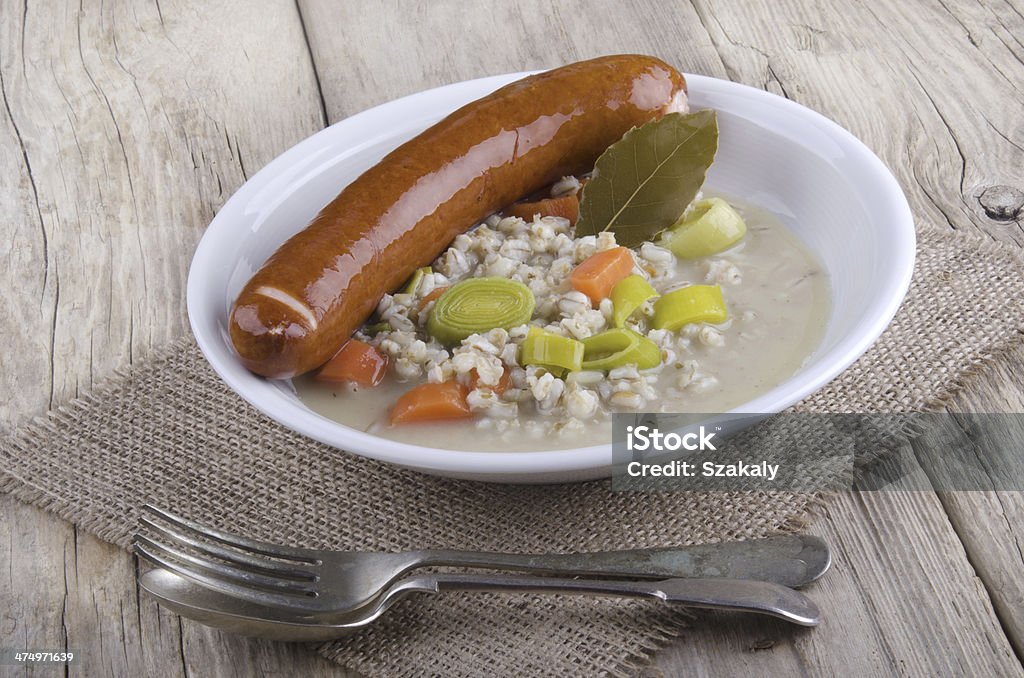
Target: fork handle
713, 593
789, 560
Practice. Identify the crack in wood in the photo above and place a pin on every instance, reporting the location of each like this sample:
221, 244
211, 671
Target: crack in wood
31, 180
949, 128
1002, 134
312, 62
701, 10
53, 337
67, 591
181, 647
778, 81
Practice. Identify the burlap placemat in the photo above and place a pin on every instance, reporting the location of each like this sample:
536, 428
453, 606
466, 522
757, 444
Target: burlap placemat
169, 432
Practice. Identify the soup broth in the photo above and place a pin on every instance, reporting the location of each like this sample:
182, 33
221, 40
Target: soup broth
776, 292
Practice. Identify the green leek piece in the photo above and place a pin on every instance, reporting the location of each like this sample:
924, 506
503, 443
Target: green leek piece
555, 353
377, 328
628, 295
710, 227
414, 281
693, 304
478, 305
648, 354
618, 348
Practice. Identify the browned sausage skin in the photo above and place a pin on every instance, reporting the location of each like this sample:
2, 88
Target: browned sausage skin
325, 281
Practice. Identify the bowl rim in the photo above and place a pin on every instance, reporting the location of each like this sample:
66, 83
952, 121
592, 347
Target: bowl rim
887, 196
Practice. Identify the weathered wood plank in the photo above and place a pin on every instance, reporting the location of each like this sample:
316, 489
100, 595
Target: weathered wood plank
124, 127
128, 126
407, 46
935, 90
102, 125
68, 589
991, 523
881, 578
901, 599
33, 548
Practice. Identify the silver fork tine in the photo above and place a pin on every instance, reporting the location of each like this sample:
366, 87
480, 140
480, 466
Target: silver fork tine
222, 571
266, 548
256, 596
243, 560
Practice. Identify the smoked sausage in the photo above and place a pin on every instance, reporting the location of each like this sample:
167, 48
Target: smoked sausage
325, 281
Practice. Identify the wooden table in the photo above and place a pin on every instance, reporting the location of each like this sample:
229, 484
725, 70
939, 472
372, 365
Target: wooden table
126, 125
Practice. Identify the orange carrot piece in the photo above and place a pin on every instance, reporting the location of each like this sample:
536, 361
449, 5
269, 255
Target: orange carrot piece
599, 273
433, 296
503, 383
567, 207
356, 361
432, 402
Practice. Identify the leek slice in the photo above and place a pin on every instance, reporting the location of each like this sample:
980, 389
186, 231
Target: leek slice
710, 227
628, 295
478, 305
555, 353
377, 328
618, 348
414, 281
693, 304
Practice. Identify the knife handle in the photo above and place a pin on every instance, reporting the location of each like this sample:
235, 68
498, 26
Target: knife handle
789, 560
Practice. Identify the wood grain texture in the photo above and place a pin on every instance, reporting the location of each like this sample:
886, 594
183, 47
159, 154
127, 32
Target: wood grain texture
935, 89
899, 579
126, 125
991, 523
124, 128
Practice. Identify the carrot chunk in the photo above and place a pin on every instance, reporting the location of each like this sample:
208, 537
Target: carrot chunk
434, 295
432, 402
503, 383
566, 206
356, 361
599, 273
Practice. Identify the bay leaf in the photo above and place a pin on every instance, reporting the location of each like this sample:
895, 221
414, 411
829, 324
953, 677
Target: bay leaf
645, 181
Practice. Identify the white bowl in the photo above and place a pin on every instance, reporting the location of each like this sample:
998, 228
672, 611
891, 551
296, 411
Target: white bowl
833, 192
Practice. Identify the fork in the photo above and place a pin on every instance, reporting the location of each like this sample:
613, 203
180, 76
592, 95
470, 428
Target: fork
191, 600
326, 582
